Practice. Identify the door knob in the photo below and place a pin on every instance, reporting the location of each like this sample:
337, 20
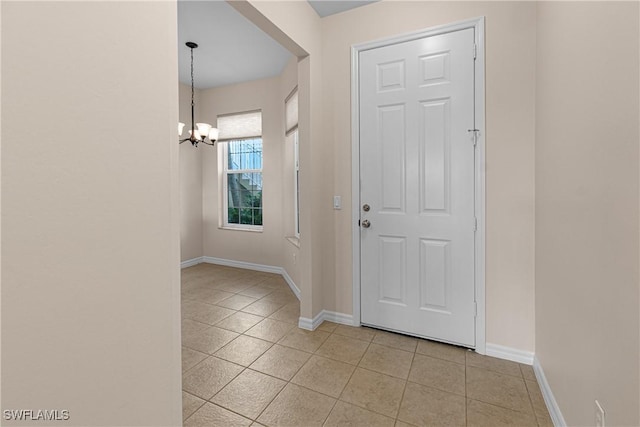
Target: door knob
366, 223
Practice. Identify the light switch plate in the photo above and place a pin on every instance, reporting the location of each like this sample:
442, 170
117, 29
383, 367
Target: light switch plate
337, 202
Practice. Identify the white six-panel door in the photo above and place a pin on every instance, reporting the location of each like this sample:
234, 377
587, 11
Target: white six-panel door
417, 177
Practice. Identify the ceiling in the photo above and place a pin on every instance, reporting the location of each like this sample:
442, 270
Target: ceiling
230, 48
330, 7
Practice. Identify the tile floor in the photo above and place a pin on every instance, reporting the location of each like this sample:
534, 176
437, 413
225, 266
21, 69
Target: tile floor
245, 362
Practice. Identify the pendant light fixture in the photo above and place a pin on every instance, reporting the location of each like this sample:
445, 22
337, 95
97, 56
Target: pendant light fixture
200, 131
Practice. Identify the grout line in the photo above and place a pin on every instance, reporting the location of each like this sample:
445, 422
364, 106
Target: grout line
271, 401
230, 410
393, 376
535, 414
503, 407
210, 400
440, 359
331, 410
405, 384
495, 371
204, 402
194, 412
246, 336
356, 366
426, 385
208, 355
199, 351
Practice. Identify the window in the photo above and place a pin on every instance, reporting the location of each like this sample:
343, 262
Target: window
291, 127
243, 183
292, 140
241, 172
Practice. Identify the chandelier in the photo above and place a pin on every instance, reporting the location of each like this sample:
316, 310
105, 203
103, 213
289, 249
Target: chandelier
200, 131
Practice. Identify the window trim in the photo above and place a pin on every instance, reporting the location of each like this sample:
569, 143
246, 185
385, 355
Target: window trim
224, 218
293, 120
296, 182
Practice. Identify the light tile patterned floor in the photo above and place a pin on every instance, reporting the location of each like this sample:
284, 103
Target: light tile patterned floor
245, 362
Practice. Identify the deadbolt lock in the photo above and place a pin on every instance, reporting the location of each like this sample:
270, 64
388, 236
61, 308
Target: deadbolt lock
366, 207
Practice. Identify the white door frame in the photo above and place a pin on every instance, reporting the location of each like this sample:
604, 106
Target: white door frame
478, 25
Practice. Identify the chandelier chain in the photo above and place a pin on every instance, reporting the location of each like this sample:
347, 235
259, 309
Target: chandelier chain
192, 75
192, 103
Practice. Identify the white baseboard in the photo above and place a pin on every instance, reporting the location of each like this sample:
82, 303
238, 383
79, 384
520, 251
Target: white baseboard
291, 283
242, 264
191, 262
341, 318
254, 267
310, 324
547, 394
330, 316
508, 353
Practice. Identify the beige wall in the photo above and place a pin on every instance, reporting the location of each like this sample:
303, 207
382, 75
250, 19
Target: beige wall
291, 247
296, 26
191, 179
90, 228
510, 101
249, 246
587, 213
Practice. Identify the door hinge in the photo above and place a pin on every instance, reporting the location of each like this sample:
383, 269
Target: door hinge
475, 309
475, 224
475, 51
475, 135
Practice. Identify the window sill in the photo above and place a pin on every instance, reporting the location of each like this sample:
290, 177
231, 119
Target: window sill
295, 241
251, 230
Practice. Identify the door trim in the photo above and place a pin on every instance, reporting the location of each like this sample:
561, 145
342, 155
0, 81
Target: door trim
478, 25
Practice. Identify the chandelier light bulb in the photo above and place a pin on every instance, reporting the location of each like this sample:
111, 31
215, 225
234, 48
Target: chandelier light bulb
203, 128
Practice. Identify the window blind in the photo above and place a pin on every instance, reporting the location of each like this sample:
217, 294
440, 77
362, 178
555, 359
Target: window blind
240, 125
291, 112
